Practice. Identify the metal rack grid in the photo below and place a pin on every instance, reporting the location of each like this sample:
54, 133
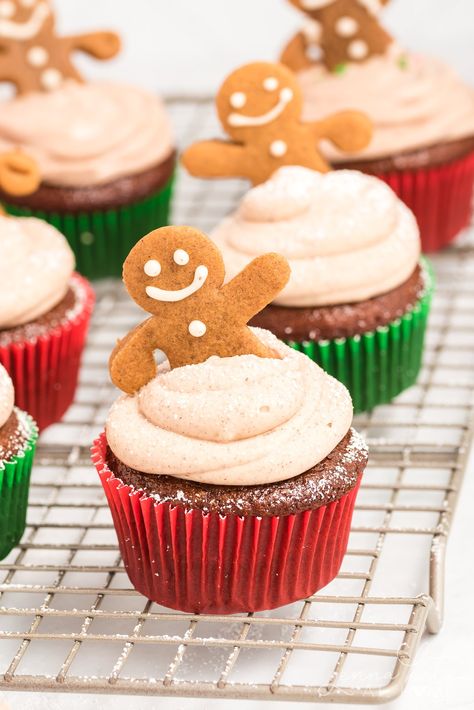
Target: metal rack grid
70, 620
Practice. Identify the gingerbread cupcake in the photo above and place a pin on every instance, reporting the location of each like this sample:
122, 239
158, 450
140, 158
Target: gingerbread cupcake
232, 470
105, 151
358, 298
423, 114
45, 310
18, 435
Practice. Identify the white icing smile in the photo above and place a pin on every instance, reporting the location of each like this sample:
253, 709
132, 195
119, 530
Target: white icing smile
25, 30
160, 294
240, 119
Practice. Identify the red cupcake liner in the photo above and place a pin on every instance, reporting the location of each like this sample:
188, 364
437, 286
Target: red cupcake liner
208, 563
441, 198
45, 369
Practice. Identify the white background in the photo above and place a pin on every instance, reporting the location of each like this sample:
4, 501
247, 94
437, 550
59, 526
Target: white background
189, 45
184, 46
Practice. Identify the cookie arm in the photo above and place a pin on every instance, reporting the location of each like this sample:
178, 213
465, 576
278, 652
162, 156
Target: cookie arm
215, 159
350, 131
132, 363
294, 55
100, 45
257, 285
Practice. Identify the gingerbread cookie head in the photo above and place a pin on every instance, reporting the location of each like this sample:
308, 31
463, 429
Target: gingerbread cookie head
258, 95
171, 265
33, 57
338, 32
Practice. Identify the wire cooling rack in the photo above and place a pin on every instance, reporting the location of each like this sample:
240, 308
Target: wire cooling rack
70, 621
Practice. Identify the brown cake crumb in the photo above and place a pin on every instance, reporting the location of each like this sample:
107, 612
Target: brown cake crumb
14, 435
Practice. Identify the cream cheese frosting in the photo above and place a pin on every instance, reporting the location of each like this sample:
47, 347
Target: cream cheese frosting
88, 134
36, 265
7, 396
346, 235
234, 421
413, 100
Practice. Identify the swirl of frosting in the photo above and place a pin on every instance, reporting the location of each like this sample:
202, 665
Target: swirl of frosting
414, 101
7, 396
36, 265
88, 134
346, 235
242, 420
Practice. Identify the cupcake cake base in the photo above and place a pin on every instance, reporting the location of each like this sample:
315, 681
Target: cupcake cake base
212, 549
374, 347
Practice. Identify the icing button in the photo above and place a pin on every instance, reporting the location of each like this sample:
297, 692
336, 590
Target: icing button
37, 56
197, 328
51, 79
346, 26
278, 149
358, 49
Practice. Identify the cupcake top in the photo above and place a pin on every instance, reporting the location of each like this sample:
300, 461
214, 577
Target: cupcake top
241, 420
7, 396
35, 269
87, 134
414, 101
346, 235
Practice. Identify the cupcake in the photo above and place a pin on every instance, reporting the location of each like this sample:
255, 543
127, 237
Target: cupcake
18, 435
358, 298
105, 151
231, 470
44, 314
423, 114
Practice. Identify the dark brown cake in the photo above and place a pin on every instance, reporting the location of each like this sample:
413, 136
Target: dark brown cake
342, 321
118, 193
14, 435
326, 482
64, 310
429, 156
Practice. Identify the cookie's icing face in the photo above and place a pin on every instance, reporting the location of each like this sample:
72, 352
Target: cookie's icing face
167, 270
257, 96
22, 20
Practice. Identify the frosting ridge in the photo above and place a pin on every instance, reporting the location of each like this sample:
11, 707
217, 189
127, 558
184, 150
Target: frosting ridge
35, 269
242, 420
346, 235
413, 101
7, 396
88, 134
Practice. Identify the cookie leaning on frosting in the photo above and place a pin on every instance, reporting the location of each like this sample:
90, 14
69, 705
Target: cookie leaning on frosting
45, 310
423, 114
239, 465
105, 151
18, 435
358, 297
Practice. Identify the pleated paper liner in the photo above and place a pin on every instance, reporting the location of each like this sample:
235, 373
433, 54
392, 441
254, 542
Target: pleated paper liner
45, 369
14, 488
378, 365
101, 241
209, 563
441, 198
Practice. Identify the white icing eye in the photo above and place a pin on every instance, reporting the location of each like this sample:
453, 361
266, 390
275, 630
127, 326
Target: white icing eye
7, 8
152, 268
181, 257
271, 83
238, 100
286, 94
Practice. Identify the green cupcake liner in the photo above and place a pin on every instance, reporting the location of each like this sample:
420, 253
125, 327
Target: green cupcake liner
378, 365
14, 488
101, 241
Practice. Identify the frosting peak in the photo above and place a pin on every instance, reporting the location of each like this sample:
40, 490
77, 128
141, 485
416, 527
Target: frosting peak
7, 396
88, 134
35, 268
346, 235
241, 420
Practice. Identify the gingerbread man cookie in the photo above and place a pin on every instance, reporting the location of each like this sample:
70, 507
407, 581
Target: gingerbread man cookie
337, 32
259, 106
19, 174
177, 274
33, 57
